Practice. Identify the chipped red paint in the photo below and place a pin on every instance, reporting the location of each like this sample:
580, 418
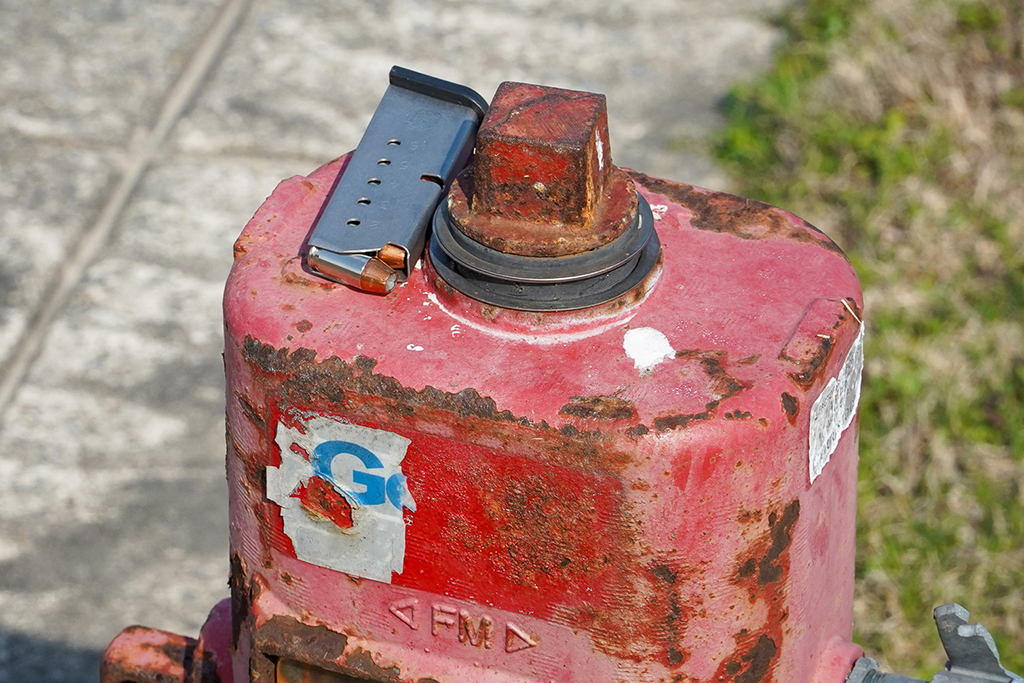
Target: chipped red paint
599, 522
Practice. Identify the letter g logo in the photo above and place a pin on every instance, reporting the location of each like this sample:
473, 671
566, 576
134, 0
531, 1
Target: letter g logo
376, 488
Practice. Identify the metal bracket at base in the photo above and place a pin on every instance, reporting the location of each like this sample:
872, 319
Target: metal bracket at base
973, 657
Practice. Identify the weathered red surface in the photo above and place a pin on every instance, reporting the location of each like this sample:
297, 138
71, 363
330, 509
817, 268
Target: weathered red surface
147, 655
543, 183
215, 643
578, 517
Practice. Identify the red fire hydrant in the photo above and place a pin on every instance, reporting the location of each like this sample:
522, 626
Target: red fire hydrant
604, 430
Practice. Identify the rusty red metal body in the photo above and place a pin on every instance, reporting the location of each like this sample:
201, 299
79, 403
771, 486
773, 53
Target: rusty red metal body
644, 490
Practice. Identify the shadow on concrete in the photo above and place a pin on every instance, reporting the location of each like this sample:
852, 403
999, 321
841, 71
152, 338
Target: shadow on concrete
29, 659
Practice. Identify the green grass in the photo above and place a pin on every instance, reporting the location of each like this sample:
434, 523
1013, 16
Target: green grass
896, 126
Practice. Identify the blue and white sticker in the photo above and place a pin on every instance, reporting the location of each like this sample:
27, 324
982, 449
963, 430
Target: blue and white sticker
833, 410
364, 466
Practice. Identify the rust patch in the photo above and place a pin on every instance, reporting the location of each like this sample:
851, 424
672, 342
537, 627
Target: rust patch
663, 424
542, 183
771, 567
253, 481
813, 367
362, 661
600, 407
289, 276
270, 524
747, 516
360, 392
251, 474
283, 636
531, 533
514, 230
250, 412
738, 415
672, 626
154, 657
811, 346
326, 379
756, 661
178, 651
791, 405
747, 219
303, 326
761, 570
638, 430
241, 596
665, 573
727, 387
722, 384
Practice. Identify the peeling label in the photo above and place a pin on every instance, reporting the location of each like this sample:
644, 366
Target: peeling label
342, 493
833, 410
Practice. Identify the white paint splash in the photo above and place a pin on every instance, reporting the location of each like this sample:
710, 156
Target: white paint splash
647, 347
659, 211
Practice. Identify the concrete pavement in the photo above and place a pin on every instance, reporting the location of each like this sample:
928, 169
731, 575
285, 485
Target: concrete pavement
136, 139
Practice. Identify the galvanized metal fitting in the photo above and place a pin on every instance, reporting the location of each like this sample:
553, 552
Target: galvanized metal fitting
542, 220
972, 655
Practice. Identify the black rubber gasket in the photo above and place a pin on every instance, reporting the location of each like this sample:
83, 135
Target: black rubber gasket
529, 283
497, 264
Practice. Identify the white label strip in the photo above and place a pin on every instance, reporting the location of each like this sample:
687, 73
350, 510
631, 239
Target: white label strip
364, 467
833, 410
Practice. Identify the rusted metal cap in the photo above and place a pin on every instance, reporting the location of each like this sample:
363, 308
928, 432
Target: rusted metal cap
543, 183
542, 220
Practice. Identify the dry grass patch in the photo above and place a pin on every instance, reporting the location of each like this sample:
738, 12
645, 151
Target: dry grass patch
897, 126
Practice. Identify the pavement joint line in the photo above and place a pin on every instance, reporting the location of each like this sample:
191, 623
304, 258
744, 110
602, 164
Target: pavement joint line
141, 155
